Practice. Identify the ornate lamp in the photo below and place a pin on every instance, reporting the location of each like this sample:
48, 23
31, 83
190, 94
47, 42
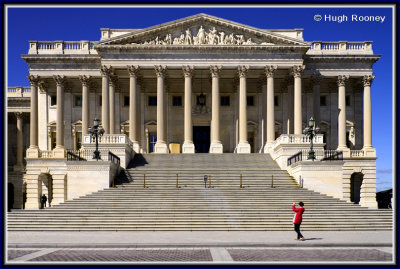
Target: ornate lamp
311, 132
95, 132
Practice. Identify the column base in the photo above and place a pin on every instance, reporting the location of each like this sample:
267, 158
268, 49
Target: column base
188, 147
161, 148
346, 151
243, 147
268, 147
216, 147
59, 152
136, 147
32, 152
369, 151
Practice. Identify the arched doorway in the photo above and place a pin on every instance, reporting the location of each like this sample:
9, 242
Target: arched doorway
355, 187
10, 196
46, 188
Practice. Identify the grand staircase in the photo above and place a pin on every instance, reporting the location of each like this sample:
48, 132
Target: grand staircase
168, 192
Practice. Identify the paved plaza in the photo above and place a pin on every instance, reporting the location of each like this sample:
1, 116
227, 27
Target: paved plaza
367, 247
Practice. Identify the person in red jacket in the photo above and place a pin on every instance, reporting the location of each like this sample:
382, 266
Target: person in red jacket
298, 217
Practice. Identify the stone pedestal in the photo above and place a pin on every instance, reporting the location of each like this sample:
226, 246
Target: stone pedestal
369, 152
32, 152
161, 148
188, 147
216, 147
59, 152
243, 148
136, 147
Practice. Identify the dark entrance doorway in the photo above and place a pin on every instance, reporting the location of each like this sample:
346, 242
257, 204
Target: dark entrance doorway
355, 187
10, 196
201, 138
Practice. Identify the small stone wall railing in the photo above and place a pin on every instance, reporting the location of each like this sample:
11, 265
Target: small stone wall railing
108, 139
297, 139
340, 47
61, 47
19, 92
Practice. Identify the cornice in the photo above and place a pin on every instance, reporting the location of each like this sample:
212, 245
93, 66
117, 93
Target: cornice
60, 58
341, 58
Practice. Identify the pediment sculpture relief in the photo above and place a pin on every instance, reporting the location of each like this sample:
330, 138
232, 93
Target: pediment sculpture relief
212, 37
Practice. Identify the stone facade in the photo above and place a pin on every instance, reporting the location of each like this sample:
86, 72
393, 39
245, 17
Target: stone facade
241, 86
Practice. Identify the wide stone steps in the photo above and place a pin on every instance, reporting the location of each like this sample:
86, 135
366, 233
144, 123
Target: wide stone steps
160, 206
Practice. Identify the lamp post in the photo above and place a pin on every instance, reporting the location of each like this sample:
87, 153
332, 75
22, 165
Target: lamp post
95, 132
311, 132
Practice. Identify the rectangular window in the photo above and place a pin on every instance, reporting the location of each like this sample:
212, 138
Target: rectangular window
78, 100
225, 101
100, 100
126, 100
152, 101
347, 100
53, 100
201, 100
78, 144
322, 100
152, 141
250, 100
276, 100
177, 100
53, 140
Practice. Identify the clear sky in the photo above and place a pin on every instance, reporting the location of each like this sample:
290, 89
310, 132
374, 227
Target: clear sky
73, 24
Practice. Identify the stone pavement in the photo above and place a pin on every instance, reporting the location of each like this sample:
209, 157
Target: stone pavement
200, 247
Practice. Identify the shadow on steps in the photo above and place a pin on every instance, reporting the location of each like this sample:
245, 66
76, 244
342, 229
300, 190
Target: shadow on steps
137, 161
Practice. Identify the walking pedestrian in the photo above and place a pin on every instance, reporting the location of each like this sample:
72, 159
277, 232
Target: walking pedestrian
297, 219
43, 201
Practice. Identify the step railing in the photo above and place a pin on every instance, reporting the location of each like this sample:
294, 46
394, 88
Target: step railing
298, 157
332, 155
74, 157
113, 158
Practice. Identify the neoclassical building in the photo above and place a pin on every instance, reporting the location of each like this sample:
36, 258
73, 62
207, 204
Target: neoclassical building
205, 83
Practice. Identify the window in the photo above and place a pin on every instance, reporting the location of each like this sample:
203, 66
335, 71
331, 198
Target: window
347, 100
225, 101
53, 140
322, 100
201, 100
177, 100
250, 100
126, 100
152, 101
53, 100
78, 100
100, 100
152, 141
276, 100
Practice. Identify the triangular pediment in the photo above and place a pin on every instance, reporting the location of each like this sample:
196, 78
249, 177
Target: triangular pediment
201, 30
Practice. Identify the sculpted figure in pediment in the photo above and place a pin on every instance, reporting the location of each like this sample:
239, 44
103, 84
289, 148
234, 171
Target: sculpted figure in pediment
239, 40
188, 37
201, 35
213, 37
222, 38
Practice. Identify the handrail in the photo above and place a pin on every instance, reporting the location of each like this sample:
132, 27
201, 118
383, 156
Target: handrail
73, 157
114, 158
295, 158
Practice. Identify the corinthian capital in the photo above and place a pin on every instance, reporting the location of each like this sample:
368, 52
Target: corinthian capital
133, 70
367, 80
316, 79
270, 71
160, 70
113, 81
60, 80
85, 80
187, 71
342, 79
33, 80
18, 115
242, 70
105, 70
297, 70
215, 70
42, 86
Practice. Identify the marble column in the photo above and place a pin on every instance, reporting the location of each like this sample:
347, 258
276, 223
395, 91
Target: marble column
296, 72
290, 122
59, 151
269, 72
216, 146
112, 85
188, 146
134, 107
316, 80
367, 81
85, 104
342, 79
33, 150
105, 116
20, 143
161, 145
243, 146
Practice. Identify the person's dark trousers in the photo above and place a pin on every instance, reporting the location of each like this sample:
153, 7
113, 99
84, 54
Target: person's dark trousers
297, 229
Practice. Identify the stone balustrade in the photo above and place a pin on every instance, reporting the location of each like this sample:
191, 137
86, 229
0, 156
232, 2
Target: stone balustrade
297, 139
46, 154
357, 153
109, 139
19, 92
340, 47
61, 47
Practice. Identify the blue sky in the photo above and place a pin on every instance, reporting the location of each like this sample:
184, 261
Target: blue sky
73, 24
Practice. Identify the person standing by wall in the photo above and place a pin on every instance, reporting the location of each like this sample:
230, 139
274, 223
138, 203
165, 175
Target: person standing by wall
297, 219
43, 201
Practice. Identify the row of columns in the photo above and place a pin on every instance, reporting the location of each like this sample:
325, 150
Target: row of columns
108, 108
